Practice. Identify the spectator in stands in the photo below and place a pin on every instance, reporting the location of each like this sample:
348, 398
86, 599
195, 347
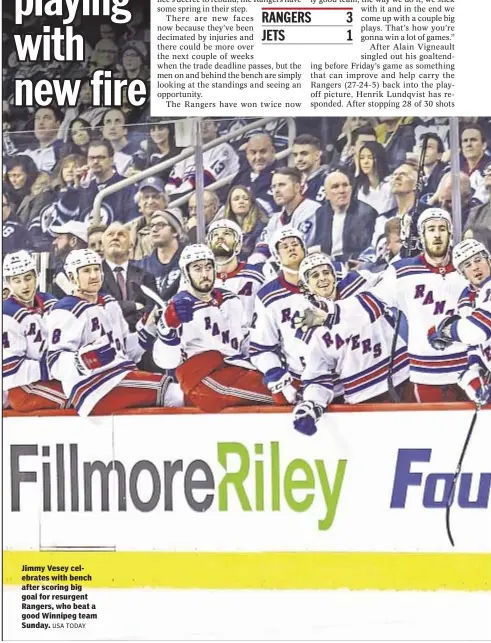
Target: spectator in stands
77, 201
307, 154
355, 131
114, 130
434, 167
243, 210
47, 121
474, 158
257, 171
295, 211
94, 239
28, 211
122, 277
218, 162
133, 62
397, 136
344, 226
84, 109
69, 236
443, 196
79, 136
211, 205
479, 219
167, 229
403, 183
21, 172
372, 185
105, 56
392, 234
150, 197
158, 147
15, 236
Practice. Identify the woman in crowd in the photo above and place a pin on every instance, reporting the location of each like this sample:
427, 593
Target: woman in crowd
372, 183
78, 137
21, 172
159, 146
243, 209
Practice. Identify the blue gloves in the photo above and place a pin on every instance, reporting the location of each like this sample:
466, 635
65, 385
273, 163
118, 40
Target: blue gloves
443, 335
305, 416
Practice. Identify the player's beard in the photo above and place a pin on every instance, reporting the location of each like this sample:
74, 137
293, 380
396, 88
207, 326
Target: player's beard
222, 251
202, 289
437, 252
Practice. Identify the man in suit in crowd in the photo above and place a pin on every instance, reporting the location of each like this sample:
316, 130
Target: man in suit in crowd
122, 277
343, 225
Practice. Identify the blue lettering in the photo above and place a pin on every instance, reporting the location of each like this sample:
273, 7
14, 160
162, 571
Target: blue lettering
403, 477
429, 299
95, 324
439, 308
207, 323
420, 291
286, 315
437, 486
246, 290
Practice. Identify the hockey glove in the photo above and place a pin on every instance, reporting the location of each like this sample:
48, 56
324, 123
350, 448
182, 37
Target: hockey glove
305, 416
180, 310
94, 356
278, 380
473, 383
441, 336
146, 335
315, 316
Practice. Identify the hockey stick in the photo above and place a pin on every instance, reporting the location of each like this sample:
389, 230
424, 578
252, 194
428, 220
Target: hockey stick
408, 246
457, 471
153, 296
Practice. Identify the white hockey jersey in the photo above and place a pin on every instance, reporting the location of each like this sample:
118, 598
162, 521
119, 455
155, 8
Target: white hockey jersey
219, 162
245, 282
75, 323
425, 295
24, 339
358, 354
218, 325
474, 329
274, 340
302, 218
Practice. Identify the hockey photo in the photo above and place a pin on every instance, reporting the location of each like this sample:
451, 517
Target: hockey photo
299, 272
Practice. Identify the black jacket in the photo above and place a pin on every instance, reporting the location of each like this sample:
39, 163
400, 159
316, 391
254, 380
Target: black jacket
357, 232
135, 277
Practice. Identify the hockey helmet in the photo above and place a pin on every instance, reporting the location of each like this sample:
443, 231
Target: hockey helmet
285, 232
192, 253
466, 250
229, 225
79, 259
18, 263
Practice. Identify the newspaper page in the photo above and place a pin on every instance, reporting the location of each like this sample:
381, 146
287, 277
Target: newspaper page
246, 331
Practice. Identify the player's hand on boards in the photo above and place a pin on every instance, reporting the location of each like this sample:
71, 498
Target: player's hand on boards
305, 416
